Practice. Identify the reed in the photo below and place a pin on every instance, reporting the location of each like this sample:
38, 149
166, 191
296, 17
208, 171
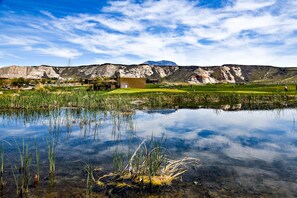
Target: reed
51, 151
16, 182
118, 160
37, 160
90, 179
24, 175
21, 154
2, 184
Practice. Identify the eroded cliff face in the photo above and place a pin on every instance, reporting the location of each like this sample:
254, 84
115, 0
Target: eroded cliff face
32, 72
190, 74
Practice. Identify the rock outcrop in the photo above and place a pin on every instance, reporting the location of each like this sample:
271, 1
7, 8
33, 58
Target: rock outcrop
190, 74
32, 72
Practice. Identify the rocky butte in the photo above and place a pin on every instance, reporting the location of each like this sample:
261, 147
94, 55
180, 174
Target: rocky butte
192, 74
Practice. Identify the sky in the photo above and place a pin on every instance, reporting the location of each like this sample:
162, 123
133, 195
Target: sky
188, 32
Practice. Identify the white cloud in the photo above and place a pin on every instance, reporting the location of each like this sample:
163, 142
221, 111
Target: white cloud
48, 14
24, 40
252, 4
119, 24
246, 32
5, 54
56, 51
224, 26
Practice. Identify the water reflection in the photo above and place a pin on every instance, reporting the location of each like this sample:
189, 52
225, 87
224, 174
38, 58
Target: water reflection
256, 149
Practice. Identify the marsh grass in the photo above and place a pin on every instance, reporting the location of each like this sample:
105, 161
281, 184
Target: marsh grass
90, 180
51, 152
2, 184
118, 160
16, 181
153, 97
23, 177
37, 160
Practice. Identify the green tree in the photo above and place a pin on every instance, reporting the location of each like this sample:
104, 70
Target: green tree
2, 82
19, 82
43, 80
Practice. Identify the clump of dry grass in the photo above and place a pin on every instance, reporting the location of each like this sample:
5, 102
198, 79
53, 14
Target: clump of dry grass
148, 167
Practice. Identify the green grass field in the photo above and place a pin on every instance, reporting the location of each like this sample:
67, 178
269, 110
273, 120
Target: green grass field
132, 91
207, 88
235, 88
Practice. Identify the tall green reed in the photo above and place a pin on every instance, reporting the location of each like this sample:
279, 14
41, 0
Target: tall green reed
51, 151
90, 180
24, 175
37, 160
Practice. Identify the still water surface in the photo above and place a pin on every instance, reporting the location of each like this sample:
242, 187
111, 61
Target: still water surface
243, 153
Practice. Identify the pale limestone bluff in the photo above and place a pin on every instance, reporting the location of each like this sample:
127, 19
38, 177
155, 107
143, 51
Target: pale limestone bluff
219, 74
35, 72
13, 72
104, 71
165, 71
88, 72
202, 76
42, 71
238, 72
142, 71
227, 74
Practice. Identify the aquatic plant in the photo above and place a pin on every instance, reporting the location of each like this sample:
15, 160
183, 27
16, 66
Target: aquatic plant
90, 179
118, 160
51, 151
26, 172
24, 175
16, 182
21, 153
37, 159
2, 166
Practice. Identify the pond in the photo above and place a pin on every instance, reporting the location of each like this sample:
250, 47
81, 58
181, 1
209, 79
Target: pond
242, 153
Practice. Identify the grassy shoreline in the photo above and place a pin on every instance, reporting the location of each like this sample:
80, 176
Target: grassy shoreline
154, 96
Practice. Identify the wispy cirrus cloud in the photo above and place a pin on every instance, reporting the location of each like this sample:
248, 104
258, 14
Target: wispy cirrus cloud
242, 31
19, 41
240, 5
56, 51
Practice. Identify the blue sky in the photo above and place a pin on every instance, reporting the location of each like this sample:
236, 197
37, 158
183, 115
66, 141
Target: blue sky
189, 32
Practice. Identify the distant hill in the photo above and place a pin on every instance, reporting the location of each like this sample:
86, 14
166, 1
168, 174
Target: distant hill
161, 63
191, 74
